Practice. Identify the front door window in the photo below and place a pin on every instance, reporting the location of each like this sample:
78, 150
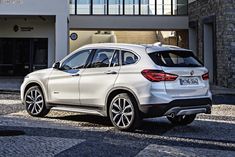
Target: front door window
76, 61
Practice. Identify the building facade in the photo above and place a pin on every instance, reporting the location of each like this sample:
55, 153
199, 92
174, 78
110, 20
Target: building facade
34, 34
212, 30
129, 21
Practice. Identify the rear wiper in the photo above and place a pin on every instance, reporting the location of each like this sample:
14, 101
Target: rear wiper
192, 65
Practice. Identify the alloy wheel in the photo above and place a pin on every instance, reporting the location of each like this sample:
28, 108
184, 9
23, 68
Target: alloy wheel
34, 101
122, 112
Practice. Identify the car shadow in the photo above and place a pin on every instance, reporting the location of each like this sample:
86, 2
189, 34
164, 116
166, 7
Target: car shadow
157, 126
147, 126
87, 120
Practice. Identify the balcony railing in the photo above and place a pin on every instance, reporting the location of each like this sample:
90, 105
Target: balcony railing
153, 7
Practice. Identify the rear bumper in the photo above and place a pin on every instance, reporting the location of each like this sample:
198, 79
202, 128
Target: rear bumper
178, 107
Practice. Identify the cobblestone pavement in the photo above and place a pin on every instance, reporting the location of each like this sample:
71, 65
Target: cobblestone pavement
73, 134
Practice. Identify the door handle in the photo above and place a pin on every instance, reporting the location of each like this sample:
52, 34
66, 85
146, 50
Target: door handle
111, 72
75, 75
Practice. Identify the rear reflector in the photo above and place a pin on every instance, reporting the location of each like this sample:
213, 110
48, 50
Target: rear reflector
205, 76
158, 75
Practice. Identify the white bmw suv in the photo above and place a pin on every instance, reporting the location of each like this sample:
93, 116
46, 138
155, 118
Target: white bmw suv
124, 82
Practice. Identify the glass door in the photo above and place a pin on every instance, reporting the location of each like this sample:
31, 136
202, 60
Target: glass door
39, 54
6, 57
20, 56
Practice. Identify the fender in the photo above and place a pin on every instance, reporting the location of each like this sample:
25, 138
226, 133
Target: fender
118, 88
41, 86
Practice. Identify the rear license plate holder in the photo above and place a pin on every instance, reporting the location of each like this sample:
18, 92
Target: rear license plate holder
185, 81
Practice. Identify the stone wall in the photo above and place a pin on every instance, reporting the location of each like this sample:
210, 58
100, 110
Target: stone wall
224, 12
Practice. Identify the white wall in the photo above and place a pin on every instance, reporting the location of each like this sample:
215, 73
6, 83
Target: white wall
57, 8
89, 37
84, 38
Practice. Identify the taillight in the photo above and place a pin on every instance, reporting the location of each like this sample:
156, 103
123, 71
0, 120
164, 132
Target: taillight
158, 75
205, 76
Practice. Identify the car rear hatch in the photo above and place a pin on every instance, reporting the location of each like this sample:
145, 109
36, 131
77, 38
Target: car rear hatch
191, 77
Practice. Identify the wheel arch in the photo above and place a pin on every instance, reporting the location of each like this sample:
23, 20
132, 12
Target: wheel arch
36, 83
117, 90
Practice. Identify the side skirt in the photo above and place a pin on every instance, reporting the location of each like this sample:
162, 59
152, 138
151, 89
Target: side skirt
78, 108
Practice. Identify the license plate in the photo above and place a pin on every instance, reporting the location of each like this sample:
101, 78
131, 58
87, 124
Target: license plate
189, 81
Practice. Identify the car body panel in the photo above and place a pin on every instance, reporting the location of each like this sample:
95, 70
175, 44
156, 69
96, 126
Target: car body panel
176, 90
39, 77
95, 84
63, 87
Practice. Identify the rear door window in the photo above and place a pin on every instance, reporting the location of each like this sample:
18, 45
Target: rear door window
102, 58
175, 59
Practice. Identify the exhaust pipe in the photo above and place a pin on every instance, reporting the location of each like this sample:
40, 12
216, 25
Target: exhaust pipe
171, 115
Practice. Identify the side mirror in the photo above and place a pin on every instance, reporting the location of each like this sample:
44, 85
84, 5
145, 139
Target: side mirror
56, 65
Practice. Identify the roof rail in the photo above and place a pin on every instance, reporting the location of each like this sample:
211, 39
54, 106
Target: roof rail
157, 44
171, 46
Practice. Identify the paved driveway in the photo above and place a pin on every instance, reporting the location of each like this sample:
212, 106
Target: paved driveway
73, 134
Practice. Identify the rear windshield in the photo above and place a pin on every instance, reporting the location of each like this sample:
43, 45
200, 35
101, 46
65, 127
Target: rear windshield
175, 59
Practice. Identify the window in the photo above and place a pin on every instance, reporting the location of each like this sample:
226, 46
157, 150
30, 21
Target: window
175, 59
167, 7
131, 7
102, 58
144, 7
83, 6
100, 7
115, 7
76, 61
72, 6
160, 7
128, 58
152, 7
182, 7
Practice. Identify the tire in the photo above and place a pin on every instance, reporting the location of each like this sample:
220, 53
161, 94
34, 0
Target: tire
124, 113
35, 103
182, 120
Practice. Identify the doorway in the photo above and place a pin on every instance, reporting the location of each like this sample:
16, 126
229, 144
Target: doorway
20, 56
209, 56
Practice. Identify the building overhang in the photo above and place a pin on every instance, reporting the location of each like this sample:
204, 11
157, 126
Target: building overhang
88, 22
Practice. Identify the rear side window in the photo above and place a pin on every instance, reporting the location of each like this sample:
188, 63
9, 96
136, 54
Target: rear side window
128, 58
175, 59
